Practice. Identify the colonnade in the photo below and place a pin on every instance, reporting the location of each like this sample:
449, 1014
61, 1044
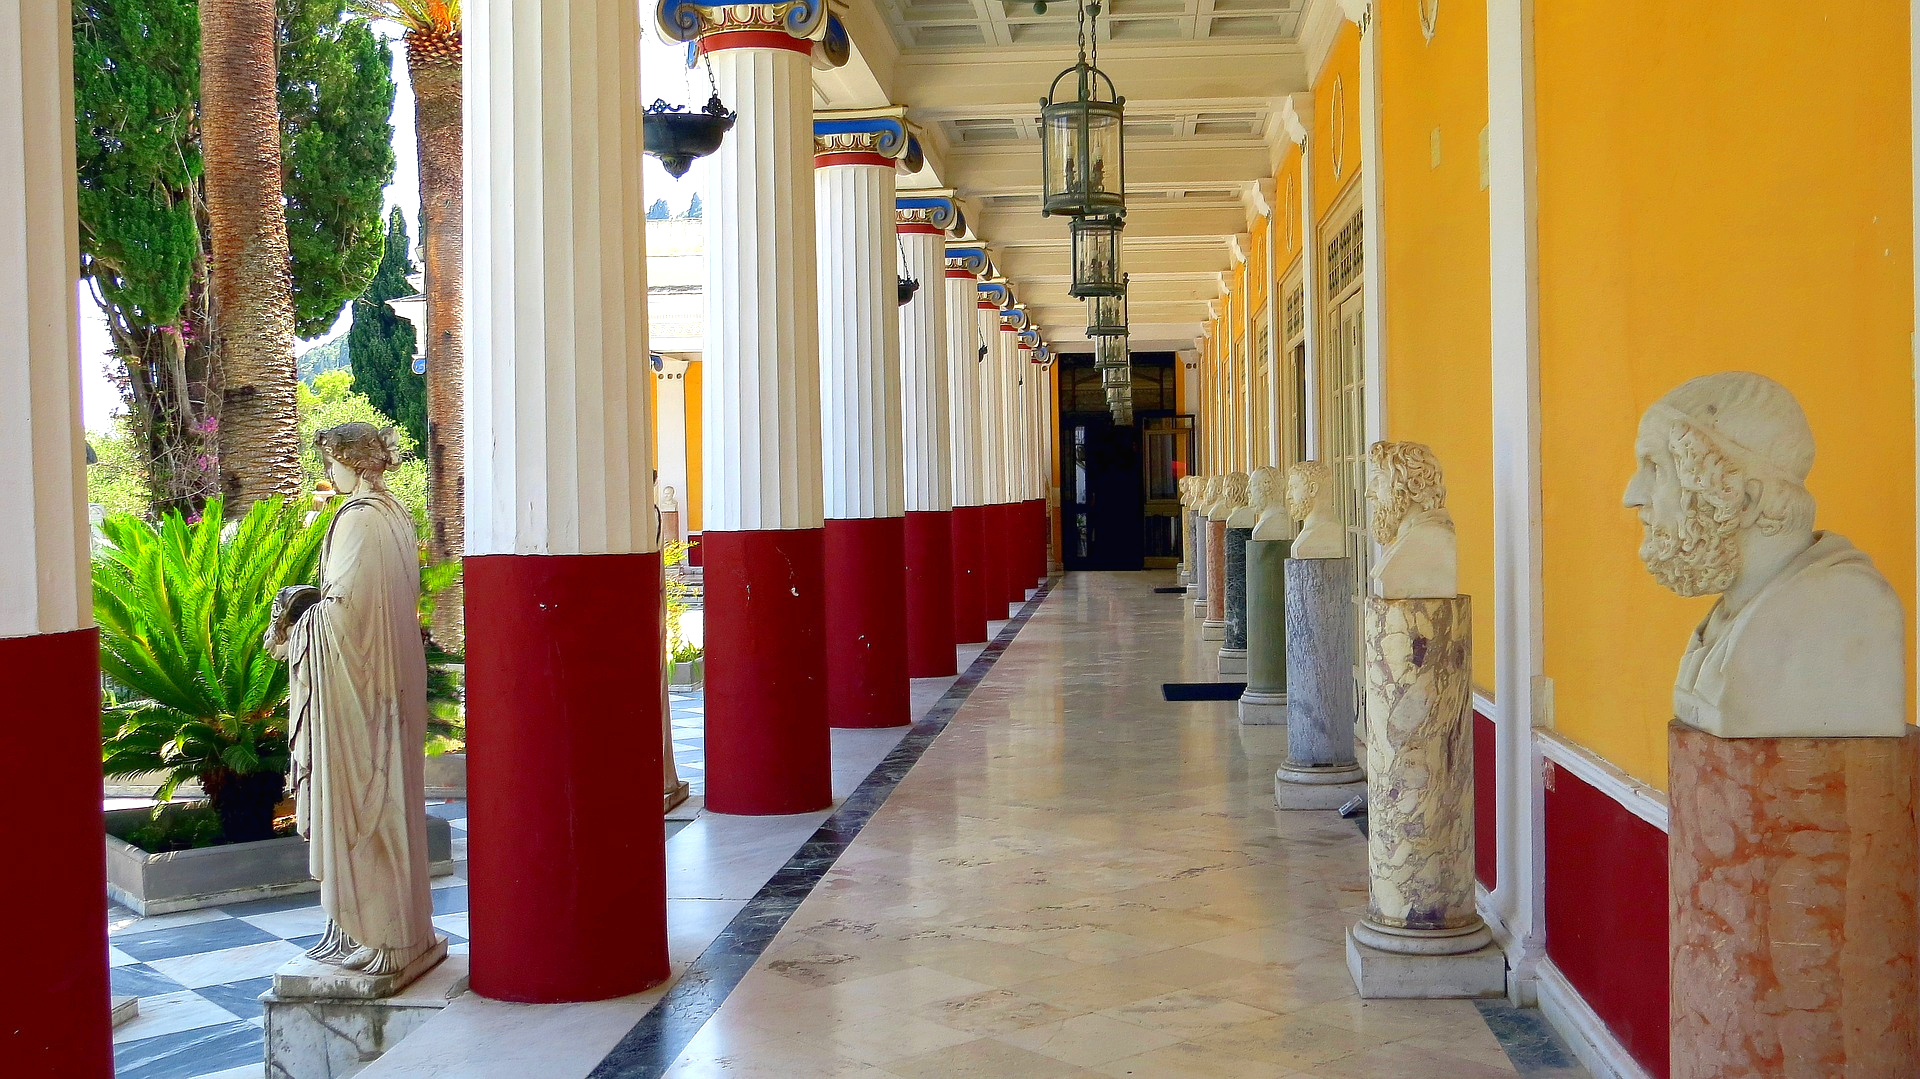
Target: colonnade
875, 487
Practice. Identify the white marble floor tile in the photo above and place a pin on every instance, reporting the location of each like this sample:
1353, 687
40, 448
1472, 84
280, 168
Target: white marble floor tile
171, 1013
303, 922
226, 965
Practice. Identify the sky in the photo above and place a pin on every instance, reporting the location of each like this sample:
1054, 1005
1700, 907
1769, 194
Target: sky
663, 75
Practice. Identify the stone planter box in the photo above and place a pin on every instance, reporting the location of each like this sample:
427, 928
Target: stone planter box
150, 884
689, 675
447, 777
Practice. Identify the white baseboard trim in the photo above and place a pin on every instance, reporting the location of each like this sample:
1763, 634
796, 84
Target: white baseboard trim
1586, 1034
1639, 799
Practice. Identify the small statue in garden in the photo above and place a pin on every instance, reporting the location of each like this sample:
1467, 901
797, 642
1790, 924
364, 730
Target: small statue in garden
358, 714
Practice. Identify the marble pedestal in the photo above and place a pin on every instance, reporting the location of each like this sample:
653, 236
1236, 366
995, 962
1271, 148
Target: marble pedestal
1265, 700
1792, 866
1233, 647
1421, 936
1214, 627
318, 1036
1317, 608
1197, 587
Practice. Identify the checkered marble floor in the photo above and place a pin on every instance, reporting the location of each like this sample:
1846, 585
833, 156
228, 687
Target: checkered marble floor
199, 974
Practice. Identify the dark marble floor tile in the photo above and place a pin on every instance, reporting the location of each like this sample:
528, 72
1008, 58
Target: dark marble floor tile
450, 900
241, 998
1530, 1041
141, 980
190, 1052
190, 939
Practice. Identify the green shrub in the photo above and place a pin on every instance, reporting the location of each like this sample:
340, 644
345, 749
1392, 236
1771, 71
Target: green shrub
183, 607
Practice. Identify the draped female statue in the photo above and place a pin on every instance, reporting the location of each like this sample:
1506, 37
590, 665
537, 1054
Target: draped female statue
358, 715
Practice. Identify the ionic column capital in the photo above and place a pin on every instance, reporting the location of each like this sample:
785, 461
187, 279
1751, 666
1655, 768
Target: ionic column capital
935, 213
872, 137
803, 26
969, 263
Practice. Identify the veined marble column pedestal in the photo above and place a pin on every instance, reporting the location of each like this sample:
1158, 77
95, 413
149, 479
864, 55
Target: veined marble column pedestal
1421, 936
1320, 771
1214, 627
1197, 588
319, 1035
1233, 647
1792, 870
1265, 701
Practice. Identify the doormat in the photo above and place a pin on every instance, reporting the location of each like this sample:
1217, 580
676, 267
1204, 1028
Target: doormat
1177, 590
1203, 691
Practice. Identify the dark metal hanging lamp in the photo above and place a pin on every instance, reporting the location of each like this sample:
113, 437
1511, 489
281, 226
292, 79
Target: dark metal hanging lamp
1107, 315
1083, 138
1110, 352
676, 135
1096, 256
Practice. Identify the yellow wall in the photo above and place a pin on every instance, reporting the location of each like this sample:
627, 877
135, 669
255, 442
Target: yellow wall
1342, 68
1286, 195
1439, 387
1717, 192
696, 462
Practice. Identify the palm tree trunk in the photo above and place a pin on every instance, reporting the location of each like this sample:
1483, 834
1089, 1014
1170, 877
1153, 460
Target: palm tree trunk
434, 63
246, 210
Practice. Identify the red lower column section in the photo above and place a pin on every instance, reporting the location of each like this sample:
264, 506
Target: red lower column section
993, 562
561, 716
969, 600
1606, 912
768, 751
1038, 532
867, 624
1013, 551
930, 595
54, 1012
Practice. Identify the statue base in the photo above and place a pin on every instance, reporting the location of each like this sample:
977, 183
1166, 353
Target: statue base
1263, 709
310, 979
1302, 786
327, 1038
1233, 661
1211, 630
1389, 975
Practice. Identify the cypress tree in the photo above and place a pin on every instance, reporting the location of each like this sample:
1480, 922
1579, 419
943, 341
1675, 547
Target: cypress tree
380, 344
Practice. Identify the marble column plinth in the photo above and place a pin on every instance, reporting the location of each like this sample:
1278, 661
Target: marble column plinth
1233, 647
1317, 608
1792, 871
1197, 590
1265, 701
319, 1037
1421, 936
1214, 627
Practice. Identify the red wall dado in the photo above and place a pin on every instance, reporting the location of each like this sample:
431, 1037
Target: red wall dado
1607, 912
1486, 840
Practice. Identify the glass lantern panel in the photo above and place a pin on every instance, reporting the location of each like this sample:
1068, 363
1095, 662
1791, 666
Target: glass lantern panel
1096, 258
1116, 376
1081, 153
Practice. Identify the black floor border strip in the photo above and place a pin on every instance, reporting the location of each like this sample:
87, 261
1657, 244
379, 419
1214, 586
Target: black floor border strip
658, 1039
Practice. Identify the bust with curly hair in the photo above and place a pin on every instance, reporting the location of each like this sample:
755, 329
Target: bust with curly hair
1807, 639
1310, 501
1407, 499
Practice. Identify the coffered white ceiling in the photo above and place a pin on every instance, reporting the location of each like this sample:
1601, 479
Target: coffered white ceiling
1204, 82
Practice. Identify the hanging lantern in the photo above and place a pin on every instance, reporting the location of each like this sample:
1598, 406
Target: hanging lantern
1082, 138
677, 136
1113, 378
1107, 315
1096, 256
1110, 352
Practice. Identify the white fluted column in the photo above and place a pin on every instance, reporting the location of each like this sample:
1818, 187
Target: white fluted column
993, 452
762, 540
60, 1025
970, 614
921, 222
561, 532
860, 384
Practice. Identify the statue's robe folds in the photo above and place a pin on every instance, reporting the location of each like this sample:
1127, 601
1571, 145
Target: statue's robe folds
359, 728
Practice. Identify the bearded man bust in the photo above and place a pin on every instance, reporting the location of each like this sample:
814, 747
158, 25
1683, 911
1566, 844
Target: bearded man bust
1310, 502
1807, 639
1408, 499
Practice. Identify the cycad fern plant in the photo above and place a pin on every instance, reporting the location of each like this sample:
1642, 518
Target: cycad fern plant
183, 608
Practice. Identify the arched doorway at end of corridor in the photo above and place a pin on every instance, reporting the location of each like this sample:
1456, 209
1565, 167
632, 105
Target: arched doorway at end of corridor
1119, 497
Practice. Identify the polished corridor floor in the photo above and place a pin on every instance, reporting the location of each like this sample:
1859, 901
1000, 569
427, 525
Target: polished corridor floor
1079, 878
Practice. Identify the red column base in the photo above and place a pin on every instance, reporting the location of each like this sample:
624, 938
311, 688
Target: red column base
563, 656
969, 597
1012, 539
930, 595
867, 682
768, 751
54, 1021
1037, 534
993, 562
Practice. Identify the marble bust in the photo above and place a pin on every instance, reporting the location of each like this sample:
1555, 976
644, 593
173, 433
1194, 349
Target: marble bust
1233, 495
357, 715
1407, 499
1248, 514
1210, 491
1310, 501
1269, 500
668, 501
1807, 639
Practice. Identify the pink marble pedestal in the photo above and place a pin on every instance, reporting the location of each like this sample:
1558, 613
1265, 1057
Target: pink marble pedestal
1793, 864
1214, 627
